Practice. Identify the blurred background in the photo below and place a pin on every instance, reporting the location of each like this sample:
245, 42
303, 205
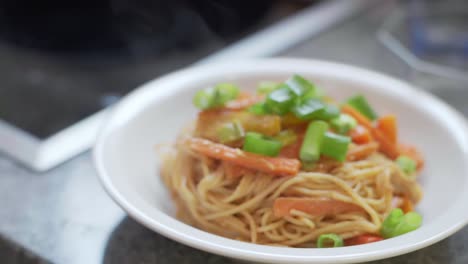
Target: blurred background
62, 62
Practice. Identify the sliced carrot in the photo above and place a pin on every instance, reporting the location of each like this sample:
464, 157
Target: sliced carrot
275, 166
243, 102
235, 171
385, 145
413, 153
407, 205
362, 151
360, 135
362, 239
360, 118
314, 206
388, 126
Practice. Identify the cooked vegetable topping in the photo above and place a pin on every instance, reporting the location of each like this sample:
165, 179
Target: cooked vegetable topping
313, 206
335, 146
266, 87
359, 102
397, 223
243, 101
259, 144
343, 123
310, 149
307, 109
406, 164
328, 113
333, 239
226, 92
215, 96
211, 122
362, 239
300, 86
280, 109
360, 135
274, 166
280, 100
385, 144
388, 126
230, 132
258, 109
205, 99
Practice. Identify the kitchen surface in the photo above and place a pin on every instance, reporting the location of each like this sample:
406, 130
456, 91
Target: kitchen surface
64, 216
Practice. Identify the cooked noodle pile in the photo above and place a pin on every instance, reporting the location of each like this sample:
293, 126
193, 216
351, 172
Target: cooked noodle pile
290, 166
239, 205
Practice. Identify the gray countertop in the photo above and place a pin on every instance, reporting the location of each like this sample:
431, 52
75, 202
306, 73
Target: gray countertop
64, 215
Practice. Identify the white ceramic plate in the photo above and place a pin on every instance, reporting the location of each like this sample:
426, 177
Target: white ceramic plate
127, 163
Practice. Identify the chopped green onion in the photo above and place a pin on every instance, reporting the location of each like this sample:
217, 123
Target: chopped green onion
359, 102
411, 221
257, 143
280, 100
329, 238
317, 92
335, 146
205, 98
310, 149
327, 113
258, 109
286, 137
390, 222
299, 85
343, 123
308, 109
406, 164
226, 92
266, 87
397, 223
230, 132
215, 96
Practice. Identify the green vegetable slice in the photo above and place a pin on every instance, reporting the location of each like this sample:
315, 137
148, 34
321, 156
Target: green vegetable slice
310, 149
333, 239
257, 143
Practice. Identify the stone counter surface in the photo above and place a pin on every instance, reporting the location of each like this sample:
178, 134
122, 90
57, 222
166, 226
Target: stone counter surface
65, 216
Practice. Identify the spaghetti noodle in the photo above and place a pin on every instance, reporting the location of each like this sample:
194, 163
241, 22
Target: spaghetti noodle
218, 191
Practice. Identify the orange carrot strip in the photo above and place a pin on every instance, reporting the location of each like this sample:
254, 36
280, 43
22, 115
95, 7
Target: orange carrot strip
362, 151
361, 119
362, 239
243, 102
385, 144
413, 153
388, 126
235, 171
360, 135
314, 206
407, 205
275, 166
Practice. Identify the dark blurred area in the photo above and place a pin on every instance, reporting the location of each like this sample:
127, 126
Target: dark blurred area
62, 61
122, 27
